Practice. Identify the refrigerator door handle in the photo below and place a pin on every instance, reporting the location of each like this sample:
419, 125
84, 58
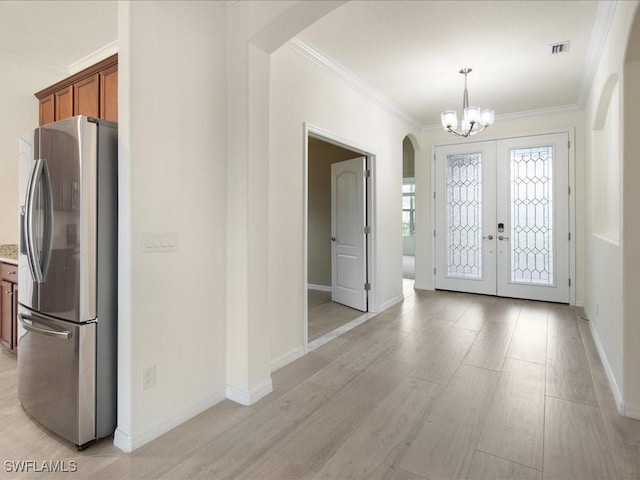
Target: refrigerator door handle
47, 243
28, 218
39, 176
24, 319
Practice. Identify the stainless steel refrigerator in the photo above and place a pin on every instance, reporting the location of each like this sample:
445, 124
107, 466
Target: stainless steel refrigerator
67, 279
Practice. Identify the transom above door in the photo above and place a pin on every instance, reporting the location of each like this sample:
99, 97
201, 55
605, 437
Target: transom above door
502, 217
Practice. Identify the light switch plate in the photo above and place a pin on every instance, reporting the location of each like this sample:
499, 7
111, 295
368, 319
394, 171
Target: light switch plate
158, 242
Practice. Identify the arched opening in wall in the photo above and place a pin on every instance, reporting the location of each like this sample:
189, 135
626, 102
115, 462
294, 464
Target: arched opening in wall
607, 163
408, 211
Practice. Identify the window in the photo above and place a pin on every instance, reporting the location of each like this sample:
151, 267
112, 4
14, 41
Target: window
408, 208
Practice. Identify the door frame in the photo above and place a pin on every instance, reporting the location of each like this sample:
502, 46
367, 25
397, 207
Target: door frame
371, 216
572, 197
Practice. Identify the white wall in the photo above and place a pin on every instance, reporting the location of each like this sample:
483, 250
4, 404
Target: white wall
569, 120
19, 80
631, 255
615, 330
172, 108
302, 92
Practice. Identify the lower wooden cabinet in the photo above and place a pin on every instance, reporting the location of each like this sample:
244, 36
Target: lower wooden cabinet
8, 305
15, 316
6, 314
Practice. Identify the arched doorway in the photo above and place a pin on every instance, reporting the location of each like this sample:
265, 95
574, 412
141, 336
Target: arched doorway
408, 210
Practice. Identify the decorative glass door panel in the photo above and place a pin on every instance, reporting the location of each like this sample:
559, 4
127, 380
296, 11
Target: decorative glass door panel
466, 184
464, 214
533, 202
502, 217
531, 236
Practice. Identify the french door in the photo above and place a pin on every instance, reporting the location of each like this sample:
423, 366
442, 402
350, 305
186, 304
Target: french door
502, 217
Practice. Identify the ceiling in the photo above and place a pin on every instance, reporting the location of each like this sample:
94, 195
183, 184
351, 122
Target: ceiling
407, 53
411, 52
57, 33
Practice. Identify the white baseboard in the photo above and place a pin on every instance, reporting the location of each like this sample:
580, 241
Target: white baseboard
423, 286
287, 358
252, 396
632, 411
129, 442
123, 441
607, 368
391, 303
320, 288
327, 337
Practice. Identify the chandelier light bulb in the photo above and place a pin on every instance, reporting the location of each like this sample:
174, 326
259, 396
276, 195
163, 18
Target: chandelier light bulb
472, 114
449, 119
487, 117
474, 119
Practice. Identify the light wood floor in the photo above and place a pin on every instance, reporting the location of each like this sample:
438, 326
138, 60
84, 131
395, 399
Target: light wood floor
441, 386
325, 315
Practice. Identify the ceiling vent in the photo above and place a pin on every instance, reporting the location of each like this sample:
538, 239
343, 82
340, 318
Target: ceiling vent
557, 48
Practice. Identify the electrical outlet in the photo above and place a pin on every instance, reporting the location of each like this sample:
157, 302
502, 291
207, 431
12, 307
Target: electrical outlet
149, 377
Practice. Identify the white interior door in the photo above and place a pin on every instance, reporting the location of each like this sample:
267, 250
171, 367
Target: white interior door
533, 205
502, 217
466, 217
348, 240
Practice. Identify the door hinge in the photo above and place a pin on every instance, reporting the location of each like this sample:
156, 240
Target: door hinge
367, 287
569, 188
367, 173
569, 144
569, 236
434, 157
367, 230
434, 195
569, 282
434, 233
434, 270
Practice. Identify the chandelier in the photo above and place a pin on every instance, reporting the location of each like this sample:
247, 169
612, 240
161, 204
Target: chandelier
474, 120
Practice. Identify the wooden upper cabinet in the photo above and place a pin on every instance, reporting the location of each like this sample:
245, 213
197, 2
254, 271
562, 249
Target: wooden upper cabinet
85, 97
64, 103
109, 94
47, 110
92, 92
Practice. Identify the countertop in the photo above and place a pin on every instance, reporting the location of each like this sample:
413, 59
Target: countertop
9, 254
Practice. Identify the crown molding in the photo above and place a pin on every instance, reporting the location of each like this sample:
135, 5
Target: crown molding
329, 65
601, 26
519, 115
95, 57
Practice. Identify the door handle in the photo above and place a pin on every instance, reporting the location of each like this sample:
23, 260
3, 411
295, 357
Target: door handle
333, 239
65, 334
501, 237
489, 237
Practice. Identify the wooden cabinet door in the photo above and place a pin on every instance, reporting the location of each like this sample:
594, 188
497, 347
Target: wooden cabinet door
109, 93
47, 110
6, 313
64, 103
15, 316
85, 97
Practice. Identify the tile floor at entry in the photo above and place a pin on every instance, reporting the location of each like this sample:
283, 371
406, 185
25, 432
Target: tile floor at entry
441, 386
